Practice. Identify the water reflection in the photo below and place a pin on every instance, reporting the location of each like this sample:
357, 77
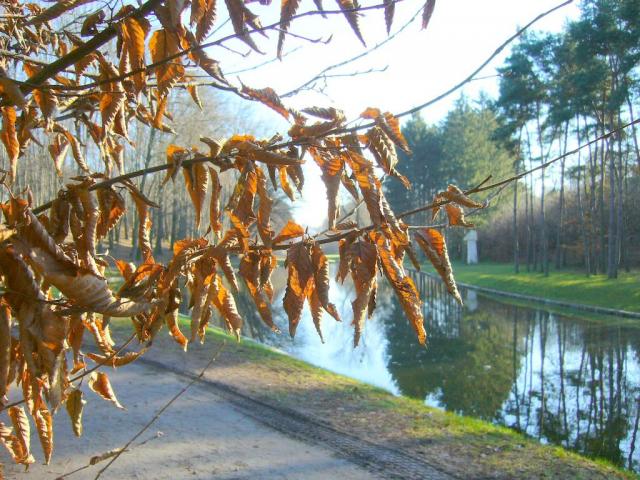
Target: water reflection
562, 380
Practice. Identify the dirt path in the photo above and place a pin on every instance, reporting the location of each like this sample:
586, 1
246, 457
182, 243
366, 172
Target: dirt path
385, 461
203, 437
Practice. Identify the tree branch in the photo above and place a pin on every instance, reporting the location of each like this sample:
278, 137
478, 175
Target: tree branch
181, 53
86, 372
468, 79
77, 54
322, 73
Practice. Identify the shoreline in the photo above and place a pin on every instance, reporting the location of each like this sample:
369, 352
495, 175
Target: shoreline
459, 446
546, 301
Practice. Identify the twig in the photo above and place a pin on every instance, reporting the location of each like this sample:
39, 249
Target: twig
342, 218
523, 174
262, 64
302, 37
104, 456
163, 409
91, 45
322, 73
469, 78
467, 214
134, 174
64, 62
564, 155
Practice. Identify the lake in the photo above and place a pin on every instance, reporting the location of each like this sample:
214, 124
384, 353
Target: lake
565, 380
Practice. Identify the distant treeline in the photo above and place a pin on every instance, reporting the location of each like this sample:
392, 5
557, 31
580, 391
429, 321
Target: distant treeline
557, 91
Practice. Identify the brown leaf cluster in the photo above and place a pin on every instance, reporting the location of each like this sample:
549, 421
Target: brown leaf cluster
113, 73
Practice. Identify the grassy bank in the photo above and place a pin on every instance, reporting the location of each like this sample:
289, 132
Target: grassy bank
622, 293
462, 446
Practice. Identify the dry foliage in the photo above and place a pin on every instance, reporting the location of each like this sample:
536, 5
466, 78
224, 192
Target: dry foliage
55, 293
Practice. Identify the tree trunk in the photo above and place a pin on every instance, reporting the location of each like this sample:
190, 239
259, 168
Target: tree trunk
603, 221
516, 239
620, 227
559, 249
529, 210
612, 260
633, 131
516, 243
583, 227
544, 244
157, 250
174, 221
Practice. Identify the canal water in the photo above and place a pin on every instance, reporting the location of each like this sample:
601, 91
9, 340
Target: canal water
565, 380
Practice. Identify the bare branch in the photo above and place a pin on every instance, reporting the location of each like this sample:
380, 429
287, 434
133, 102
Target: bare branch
469, 78
56, 66
86, 372
75, 55
322, 73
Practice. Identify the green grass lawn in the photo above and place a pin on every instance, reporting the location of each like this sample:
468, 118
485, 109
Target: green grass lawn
563, 285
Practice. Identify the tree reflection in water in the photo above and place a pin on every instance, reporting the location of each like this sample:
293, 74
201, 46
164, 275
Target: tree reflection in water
564, 380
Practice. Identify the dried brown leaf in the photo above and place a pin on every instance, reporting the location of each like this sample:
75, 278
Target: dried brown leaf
5, 348
75, 405
197, 182
116, 361
290, 231
456, 195
299, 283
203, 13
268, 97
241, 16
195, 96
404, 287
455, 213
55, 11
287, 10
112, 207
23, 432
163, 46
434, 246
350, 10
214, 203
100, 384
89, 25
361, 257
369, 185
133, 31
10, 138
250, 273
389, 10
44, 427
171, 318
226, 305
12, 443
58, 150
321, 278
10, 91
